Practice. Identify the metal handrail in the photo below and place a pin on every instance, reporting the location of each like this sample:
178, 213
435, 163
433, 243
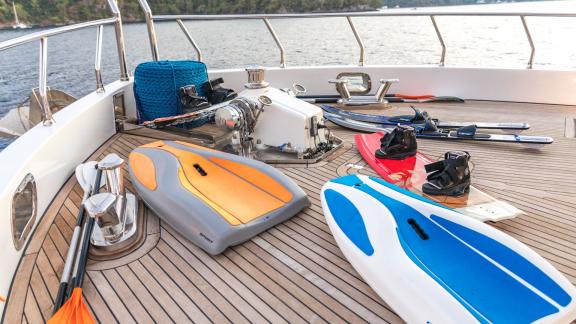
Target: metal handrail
151, 30
42, 37
98, 59
532, 47
42, 81
150, 18
52, 32
190, 39
358, 40
440, 39
360, 14
278, 43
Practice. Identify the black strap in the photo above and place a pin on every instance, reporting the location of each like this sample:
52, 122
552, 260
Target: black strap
434, 166
216, 82
386, 139
210, 85
445, 170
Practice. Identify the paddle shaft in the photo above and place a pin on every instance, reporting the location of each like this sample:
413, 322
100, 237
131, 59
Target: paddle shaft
60, 297
83, 257
69, 260
84, 238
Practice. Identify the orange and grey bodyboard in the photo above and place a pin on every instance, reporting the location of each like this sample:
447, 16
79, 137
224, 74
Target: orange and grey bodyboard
214, 199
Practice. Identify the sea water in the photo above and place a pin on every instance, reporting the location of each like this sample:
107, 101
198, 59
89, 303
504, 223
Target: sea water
470, 41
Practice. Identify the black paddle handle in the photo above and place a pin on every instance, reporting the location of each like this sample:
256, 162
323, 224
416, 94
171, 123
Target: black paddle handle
84, 253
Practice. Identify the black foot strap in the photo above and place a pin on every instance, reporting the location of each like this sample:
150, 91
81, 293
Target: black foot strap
444, 172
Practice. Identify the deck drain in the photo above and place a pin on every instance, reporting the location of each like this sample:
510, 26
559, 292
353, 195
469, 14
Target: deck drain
570, 129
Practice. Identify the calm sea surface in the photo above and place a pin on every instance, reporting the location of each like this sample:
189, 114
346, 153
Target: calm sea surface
478, 41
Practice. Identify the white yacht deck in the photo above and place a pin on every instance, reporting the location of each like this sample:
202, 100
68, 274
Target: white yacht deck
295, 272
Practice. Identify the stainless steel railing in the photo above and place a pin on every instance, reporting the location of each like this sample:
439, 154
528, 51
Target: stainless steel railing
266, 18
42, 37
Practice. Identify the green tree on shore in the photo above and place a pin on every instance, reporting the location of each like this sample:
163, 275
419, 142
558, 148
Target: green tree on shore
48, 12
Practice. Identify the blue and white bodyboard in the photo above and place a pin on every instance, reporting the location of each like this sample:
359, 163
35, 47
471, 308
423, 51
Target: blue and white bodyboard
431, 265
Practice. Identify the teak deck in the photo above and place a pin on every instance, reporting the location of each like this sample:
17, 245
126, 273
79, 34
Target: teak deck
295, 272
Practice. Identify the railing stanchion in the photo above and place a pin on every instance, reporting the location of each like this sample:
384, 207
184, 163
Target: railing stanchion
358, 40
440, 39
529, 36
119, 40
42, 80
151, 29
98, 59
190, 39
277, 40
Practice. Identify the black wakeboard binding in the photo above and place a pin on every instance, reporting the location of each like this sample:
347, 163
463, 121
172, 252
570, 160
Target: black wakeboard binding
399, 144
420, 116
190, 99
449, 177
216, 93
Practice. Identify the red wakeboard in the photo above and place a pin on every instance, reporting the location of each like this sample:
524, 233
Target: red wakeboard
407, 173
410, 174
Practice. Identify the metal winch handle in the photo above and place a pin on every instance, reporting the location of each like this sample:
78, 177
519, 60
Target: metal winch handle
385, 85
341, 87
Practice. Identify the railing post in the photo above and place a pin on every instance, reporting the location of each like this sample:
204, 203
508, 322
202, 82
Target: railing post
277, 40
190, 39
98, 59
119, 40
358, 40
42, 80
529, 36
439, 35
151, 29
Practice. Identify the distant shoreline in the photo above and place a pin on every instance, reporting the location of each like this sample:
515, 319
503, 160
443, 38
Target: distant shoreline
134, 20
139, 21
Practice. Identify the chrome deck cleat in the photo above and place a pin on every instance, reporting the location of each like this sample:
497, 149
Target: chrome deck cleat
347, 99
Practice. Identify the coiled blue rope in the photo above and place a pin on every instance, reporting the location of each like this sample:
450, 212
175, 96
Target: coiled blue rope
156, 86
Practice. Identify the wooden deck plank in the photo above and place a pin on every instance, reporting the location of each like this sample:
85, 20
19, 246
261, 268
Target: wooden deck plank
215, 290
41, 294
205, 302
109, 294
298, 276
255, 307
50, 277
31, 310
188, 305
295, 305
319, 312
328, 285
159, 293
149, 302
131, 302
18, 294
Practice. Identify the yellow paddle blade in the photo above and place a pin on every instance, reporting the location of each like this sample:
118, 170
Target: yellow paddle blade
74, 311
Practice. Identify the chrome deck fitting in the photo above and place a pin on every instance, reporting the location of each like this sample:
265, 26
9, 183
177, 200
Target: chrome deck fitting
115, 210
